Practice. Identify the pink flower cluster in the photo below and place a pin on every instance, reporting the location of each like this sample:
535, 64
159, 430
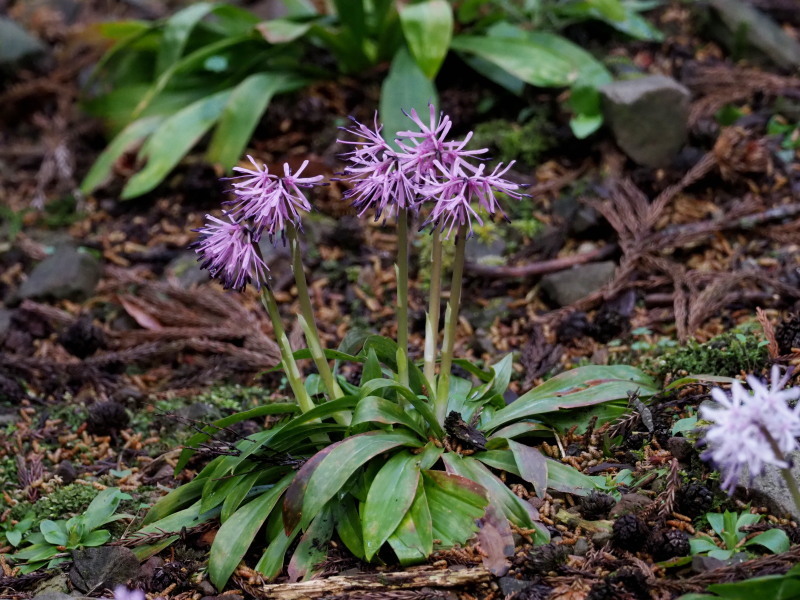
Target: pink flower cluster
745, 426
426, 167
265, 204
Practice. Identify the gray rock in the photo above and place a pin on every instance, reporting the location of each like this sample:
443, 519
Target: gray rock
772, 486
17, 45
578, 217
485, 252
648, 117
681, 448
759, 30
5, 322
8, 416
482, 317
581, 547
102, 567
52, 588
70, 273
199, 411
511, 585
566, 287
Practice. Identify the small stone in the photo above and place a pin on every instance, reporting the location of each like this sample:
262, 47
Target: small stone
102, 567
66, 470
483, 252
511, 585
186, 270
581, 547
70, 274
18, 45
681, 448
648, 117
567, 287
772, 486
629, 503
106, 418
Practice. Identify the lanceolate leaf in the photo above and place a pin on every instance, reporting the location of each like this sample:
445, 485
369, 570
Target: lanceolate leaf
455, 503
177, 498
348, 525
313, 547
271, 563
176, 33
378, 410
241, 114
174, 138
342, 461
236, 534
412, 541
188, 517
532, 466
389, 499
428, 29
405, 87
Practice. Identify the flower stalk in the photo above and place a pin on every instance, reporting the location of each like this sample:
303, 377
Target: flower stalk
786, 472
451, 324
307, 321
434, 307
402, 295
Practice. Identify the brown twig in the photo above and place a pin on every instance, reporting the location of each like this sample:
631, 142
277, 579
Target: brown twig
541, 267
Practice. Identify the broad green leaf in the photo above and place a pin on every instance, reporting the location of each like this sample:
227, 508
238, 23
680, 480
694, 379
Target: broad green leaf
405, 87
282, 31
173, 140
123, 142
313, 547
237, 533
237, 494
389, 499
228, 484
372, 367
53, 532
96, 538
176, 33
700, 545
527, 60
428, 29
717, 522
103, 507
412, 541
348, 526
242, 112
772, 587
343, 460
377, 410
775, 540
200, 437
36, 552
419, 403
271, 563
564, 478
176, 521
532, 466
177, 498
584, 386
522, 428
584, 125
295, 494
455, 502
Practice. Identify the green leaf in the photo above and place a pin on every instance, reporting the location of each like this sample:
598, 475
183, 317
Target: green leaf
775, 540
532, 466
54, 533
123, 142
701, 545
313, 547
405, 87
348, 526
390, 497
242, 112
527, 60
564, 478
419, 403
717, 522
522, 428
372, 367
455, 502
236, 534
96, 538
576, 388
344, 459
176, 33
173, 140
103, 506
377, 410
200, 437
283, 31
412, 541
271, 563
37, 552
428, 29
176, 521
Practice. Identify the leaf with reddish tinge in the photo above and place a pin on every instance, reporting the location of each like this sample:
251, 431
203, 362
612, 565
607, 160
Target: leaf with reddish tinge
532, 466
496, 540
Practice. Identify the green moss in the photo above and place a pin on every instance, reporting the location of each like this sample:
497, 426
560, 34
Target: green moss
62, 503
509, 140
726, 355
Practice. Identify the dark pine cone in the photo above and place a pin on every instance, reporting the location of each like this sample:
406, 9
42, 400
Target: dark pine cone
535, 591
596, 505
546, 558
83, 338
787, 334
632, 580
669, 543
695, 500
629, 533
603, 590
106, 418
793, 533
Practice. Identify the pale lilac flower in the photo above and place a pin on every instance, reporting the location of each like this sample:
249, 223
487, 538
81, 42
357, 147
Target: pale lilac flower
743, 423
227, 250
457, 187
254, 180
384, 186
370, 148
272, 202
123, 593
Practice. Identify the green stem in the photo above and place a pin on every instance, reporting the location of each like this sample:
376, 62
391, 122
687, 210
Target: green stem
402, 295
308, 322
791, 482
450, 325
290, 365
432, 322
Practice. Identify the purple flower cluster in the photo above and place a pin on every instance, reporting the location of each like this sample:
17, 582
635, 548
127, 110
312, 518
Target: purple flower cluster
745, 426
265, 204
426, 167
